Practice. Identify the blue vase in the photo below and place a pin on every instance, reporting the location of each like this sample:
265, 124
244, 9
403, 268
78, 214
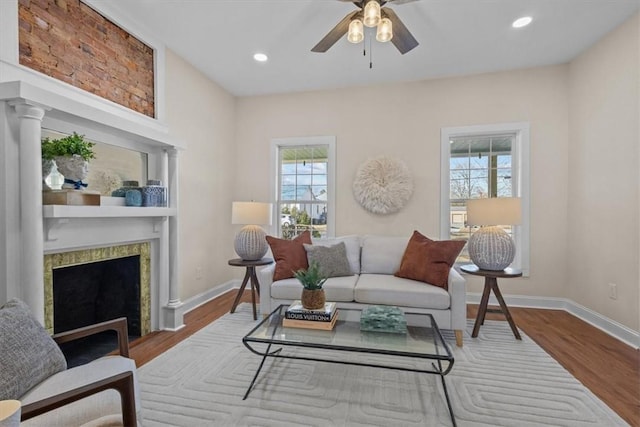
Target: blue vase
133, 198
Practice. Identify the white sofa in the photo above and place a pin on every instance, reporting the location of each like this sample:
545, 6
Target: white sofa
374, 260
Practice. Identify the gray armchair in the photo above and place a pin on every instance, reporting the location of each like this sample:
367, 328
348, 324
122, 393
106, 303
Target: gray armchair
102, 392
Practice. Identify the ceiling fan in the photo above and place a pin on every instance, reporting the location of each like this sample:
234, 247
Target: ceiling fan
371, 13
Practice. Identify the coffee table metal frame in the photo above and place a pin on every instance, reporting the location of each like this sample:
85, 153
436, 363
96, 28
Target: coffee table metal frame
273, 325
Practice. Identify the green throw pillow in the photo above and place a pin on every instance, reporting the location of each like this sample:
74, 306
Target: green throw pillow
28, 354
332, 260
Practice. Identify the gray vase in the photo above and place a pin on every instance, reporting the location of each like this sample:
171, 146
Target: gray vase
73, 168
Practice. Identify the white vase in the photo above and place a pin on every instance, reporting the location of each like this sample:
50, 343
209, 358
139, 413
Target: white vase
47, 167
74, 169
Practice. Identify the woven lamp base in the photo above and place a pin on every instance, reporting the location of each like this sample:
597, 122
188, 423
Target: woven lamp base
491, 248
250, 243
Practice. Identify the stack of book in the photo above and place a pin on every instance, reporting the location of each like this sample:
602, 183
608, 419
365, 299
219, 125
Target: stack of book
297, 316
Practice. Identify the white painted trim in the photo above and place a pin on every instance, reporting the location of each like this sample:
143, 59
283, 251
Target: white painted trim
331, 176
609, 326
9, 31
210, 294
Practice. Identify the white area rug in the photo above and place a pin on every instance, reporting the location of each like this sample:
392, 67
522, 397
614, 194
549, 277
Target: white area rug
496, 381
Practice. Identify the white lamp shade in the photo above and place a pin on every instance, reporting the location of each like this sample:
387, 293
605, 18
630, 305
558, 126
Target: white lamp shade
255, 213
494, 211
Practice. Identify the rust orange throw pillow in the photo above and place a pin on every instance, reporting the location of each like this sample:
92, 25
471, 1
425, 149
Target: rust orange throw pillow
429, 260
290, 255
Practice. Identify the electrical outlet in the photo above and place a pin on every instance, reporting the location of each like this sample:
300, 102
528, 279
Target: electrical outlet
198, 273
613, 291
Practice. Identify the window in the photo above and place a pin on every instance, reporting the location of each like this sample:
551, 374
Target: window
485, 161
304, 185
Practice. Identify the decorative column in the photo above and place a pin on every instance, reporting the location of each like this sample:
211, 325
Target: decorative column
30, 188
173, 318
172, 183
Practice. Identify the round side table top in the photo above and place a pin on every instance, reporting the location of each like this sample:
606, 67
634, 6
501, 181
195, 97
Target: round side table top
507, 272
239, 262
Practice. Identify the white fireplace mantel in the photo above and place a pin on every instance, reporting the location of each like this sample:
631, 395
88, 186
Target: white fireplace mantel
28, 229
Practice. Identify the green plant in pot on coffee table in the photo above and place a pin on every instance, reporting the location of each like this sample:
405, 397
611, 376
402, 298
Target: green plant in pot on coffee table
71, 154
312, 281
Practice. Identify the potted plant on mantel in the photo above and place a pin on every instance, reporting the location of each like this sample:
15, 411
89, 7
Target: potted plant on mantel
71, 155
312, 293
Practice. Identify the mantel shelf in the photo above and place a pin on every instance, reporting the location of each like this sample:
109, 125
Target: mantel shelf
66, 211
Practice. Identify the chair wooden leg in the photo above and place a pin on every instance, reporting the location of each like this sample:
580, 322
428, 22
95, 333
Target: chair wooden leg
458, 333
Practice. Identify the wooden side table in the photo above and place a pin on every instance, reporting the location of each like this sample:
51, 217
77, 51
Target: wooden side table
491, 284
250, 275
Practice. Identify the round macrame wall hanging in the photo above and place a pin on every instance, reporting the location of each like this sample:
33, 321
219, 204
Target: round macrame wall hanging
383, 185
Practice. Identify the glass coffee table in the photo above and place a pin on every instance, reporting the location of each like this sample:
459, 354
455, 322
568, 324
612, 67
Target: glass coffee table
423, 340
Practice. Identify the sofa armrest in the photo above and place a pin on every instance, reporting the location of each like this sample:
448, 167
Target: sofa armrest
458, 291
265, 278
119, 325
123, 383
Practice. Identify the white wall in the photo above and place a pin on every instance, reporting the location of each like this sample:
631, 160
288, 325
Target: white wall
404, 121
202, 114
603, 175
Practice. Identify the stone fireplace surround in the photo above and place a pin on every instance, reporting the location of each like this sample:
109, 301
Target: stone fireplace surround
128, 264
29, 230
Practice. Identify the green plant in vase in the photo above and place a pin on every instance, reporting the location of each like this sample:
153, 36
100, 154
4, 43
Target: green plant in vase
71, 155
312, 280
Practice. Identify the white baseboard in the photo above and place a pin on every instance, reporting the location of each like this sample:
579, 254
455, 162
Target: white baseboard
611, 327
200, 299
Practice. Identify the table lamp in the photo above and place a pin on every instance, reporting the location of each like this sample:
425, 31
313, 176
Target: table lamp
250, 243
10, 411
491, 248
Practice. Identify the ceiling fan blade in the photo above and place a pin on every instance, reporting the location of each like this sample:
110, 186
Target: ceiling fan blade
334, 35
402, 39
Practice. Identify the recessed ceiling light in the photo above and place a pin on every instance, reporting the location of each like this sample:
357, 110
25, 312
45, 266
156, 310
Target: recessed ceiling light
522, 22
260, 57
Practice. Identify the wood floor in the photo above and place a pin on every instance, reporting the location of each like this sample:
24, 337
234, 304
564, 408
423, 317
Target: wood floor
609, 368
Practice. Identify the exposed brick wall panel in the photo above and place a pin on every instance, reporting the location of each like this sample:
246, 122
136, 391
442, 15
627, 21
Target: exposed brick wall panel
69, 41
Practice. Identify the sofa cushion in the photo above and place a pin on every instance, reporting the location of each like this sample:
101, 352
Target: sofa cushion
290, 255
382, 255
89, 408
336, 289
390, 290
428, 260
28, 355
352, 244
332, 260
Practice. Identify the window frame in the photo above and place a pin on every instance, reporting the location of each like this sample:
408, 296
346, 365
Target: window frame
520, 164
275, 173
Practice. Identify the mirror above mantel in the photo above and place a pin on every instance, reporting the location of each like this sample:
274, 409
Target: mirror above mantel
112, 165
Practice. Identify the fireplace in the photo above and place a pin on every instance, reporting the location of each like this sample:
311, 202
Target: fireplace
93, 285
72, 235
95, 292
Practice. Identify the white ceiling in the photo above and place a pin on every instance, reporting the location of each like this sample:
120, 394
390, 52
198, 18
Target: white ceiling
456, 37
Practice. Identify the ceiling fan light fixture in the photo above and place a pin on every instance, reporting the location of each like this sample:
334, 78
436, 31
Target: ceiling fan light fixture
356, 31
384, 33
371, 13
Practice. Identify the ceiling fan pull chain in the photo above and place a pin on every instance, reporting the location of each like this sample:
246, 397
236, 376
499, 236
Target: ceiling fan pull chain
370, 54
